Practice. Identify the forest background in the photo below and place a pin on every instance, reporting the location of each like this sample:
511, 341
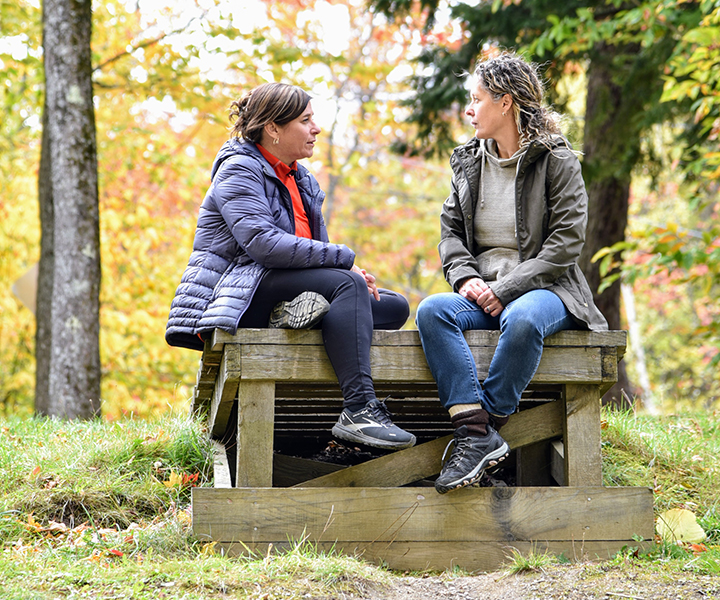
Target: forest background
164, 74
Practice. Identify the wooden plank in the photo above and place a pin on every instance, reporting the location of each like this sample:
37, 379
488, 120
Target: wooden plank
371, 515
424, 460
225, 391
439, 556
221, 469
609, 360
557, 462
290, 470
583, 463
305, 363
256, 412
410, 337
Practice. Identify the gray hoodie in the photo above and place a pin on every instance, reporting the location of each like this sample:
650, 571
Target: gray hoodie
550, 216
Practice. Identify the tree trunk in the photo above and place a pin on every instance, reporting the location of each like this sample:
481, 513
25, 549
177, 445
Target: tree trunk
608, 180
74, 373
43, 323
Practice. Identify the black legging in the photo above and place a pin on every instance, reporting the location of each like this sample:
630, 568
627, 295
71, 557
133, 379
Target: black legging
346, 328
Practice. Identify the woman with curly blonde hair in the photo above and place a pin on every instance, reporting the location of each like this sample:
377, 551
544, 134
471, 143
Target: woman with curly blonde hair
511, 234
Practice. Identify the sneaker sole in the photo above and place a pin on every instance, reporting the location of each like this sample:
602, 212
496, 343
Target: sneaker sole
491, 460
351, 436
300, 313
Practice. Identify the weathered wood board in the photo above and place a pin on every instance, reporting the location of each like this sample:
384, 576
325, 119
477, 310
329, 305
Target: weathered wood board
417, 528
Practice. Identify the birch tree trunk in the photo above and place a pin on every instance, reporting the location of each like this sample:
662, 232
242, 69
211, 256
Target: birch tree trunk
74, 367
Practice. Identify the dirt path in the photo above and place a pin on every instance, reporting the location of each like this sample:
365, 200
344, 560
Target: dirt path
561, 582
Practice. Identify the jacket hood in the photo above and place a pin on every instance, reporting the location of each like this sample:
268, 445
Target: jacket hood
474, 148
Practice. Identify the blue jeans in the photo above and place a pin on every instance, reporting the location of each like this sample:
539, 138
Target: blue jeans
523, 325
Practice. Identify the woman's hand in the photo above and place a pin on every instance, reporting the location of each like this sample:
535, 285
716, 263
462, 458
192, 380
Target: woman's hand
472, 288
369, 280
476, 290
490, 303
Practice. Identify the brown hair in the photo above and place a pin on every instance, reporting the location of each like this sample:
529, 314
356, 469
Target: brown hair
509, 73
277, 103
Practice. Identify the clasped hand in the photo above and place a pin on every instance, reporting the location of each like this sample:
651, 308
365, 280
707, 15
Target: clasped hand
370, 280
476, 290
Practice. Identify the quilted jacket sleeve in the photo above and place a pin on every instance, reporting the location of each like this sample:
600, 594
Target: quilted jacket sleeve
261, 225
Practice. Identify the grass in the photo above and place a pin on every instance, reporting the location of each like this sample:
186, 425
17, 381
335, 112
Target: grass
101, 510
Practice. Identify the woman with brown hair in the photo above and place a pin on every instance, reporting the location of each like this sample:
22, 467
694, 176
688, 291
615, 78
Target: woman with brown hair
261, 257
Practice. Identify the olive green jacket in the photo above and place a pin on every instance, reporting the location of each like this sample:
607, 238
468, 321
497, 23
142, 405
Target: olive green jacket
550, 217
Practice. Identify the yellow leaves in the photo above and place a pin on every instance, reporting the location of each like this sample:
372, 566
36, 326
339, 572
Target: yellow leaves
181, 480
679, 525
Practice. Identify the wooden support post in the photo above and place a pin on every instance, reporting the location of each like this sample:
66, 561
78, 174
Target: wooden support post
226, 386
583, 465
256, 416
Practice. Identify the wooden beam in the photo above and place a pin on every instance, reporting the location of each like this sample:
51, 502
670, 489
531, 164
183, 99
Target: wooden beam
367, 516
256, 414
581, 440
557, 462
410, 337
416, 463
225, 391
221, 469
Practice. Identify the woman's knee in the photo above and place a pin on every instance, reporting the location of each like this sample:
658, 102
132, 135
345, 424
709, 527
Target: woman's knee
431, 309
520, 325
391, 311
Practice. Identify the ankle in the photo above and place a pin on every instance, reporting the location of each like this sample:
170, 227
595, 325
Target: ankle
475, 421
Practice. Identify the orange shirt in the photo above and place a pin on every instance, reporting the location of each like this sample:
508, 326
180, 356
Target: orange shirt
286, 175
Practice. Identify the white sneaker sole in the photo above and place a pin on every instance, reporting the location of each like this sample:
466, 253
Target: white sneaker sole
302, 312
353, 436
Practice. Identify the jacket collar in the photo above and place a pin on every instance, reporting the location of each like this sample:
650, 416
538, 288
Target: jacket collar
236, 147
472, 150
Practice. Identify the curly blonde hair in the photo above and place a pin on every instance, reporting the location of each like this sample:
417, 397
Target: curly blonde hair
511, 74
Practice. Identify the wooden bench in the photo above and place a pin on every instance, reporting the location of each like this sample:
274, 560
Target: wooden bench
385, 509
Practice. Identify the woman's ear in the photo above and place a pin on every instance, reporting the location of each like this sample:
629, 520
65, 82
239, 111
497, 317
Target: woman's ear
272, 131
507, 102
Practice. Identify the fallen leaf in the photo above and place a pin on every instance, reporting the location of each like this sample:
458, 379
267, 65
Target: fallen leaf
697, 548
679, 525
36, 471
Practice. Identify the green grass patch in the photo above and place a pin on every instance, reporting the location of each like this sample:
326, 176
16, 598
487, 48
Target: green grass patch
101, 510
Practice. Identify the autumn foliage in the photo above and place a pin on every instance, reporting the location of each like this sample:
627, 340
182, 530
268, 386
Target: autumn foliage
163, 83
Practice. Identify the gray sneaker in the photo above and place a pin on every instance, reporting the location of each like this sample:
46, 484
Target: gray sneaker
301, 312
372, 426
469, 458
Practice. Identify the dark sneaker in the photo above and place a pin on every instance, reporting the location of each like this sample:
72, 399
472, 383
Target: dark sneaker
469, 458
302, 312
372, 426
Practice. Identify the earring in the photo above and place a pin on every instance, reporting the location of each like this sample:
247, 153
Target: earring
504, 114
276, 141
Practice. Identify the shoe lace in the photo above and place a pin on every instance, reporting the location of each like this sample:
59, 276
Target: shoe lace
380, 413
458, 452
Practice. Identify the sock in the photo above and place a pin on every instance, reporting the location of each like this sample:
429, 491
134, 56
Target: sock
475, 420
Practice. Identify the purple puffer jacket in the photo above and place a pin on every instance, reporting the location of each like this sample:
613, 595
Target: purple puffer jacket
245, 226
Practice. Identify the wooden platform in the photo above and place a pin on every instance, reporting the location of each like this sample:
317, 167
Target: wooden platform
386, 508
